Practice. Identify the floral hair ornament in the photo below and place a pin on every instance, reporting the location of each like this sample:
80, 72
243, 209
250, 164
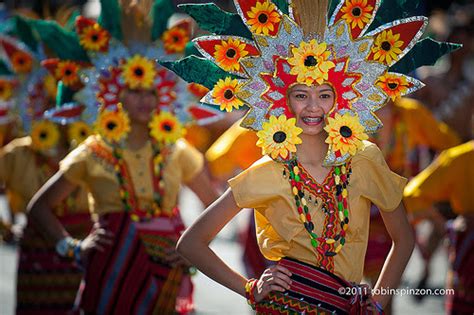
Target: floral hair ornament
364, 51
123, 47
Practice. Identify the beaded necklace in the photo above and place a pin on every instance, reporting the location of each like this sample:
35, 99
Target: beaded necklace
325, 243
127, 191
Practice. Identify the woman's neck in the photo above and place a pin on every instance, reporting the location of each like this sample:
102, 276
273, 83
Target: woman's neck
313, 149
138, 136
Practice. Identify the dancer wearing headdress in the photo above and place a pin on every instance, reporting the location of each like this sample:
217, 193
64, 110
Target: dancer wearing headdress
45, 283
134, 167
312, 88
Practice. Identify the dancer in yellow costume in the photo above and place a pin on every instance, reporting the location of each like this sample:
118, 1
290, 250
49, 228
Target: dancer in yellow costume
450, 178
312, 92
45, 284
135, 166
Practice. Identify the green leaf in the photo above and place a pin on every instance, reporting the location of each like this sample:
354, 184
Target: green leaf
63, 43
425, 53
161, 12
282, 5
197, 70
4, 70
392, 10
212, 19
24, 32
110, 17
191, 50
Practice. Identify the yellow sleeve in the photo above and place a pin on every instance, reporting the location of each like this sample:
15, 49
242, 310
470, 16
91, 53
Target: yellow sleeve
253, 187
74, 165
376, 181
13, 154
431, 185
191, 161
6, 163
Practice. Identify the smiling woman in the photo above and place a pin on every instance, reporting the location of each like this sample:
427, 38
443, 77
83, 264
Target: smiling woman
311, 86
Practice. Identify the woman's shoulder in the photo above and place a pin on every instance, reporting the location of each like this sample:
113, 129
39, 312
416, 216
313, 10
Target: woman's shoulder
264, 169
369, 152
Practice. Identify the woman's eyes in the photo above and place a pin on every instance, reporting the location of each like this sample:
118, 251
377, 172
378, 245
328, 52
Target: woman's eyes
325, 96
301, 96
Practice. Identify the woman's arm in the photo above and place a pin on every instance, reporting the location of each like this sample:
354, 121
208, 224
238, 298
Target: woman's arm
403, 242
201, 185
194, 243
53, 192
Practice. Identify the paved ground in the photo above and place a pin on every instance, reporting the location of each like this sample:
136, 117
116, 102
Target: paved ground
212, 298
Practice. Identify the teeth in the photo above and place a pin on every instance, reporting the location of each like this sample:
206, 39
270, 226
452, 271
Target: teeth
312, 120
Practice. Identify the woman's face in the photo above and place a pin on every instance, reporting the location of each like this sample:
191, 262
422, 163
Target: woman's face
310, 104
139, 104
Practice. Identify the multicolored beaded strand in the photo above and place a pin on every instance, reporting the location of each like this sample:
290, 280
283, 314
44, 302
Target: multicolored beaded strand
341, 178
127, 192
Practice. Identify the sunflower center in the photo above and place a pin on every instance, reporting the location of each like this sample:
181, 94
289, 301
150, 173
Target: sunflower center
228, 94
386, 46
231, 53
175, 39
392, 85
83, 133
310, 61
138, 72
356, 11
43, 135
345, 131
279, 136
21, 61
111, 125
263, 18
95, 37
68, 72
167, 127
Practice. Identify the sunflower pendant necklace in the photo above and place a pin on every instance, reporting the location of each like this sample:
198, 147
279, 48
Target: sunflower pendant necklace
324, 244
127, 191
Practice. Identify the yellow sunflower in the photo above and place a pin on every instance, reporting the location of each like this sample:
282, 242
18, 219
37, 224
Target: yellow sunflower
393, 85
175, 40
113, 125
357, 13
21, 62
78, 132
44, 135
345, 133
94, 38
279, 137
228, 54
387, 47
6, 90
67, 72
263, 17
139, 72
166, 128
310, 62
224, 94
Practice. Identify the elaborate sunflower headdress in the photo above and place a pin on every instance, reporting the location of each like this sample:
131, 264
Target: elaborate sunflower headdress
123, 47
364, 51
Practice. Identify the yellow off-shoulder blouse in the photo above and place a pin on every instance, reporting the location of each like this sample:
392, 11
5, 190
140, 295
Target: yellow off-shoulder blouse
450, 177
84, 166
280, 233
23, 172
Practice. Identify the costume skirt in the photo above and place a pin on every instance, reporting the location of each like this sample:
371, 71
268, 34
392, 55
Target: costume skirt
130, 276
46, 282
315, 291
